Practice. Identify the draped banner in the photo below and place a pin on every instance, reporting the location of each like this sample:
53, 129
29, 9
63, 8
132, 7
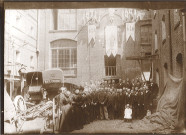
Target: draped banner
91, 34
111, 40
130, 31
169, 114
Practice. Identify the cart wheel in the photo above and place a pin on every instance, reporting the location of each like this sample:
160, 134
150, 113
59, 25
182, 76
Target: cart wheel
19, 103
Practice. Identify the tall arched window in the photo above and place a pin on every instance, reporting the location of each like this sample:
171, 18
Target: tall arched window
64, 54
146, 34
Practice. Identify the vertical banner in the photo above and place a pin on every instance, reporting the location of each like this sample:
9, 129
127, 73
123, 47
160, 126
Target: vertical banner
130, 31
111, 40
91, 34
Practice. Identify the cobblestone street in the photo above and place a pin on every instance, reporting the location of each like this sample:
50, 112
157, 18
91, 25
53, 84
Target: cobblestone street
108, 126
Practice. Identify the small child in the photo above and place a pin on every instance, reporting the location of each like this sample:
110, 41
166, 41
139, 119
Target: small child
148, 113
128, 113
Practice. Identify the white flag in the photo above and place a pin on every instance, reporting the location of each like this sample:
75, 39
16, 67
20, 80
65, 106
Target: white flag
91, 33
111, 40
130, 31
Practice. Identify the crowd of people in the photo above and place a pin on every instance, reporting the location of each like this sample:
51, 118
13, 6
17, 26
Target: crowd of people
105, 100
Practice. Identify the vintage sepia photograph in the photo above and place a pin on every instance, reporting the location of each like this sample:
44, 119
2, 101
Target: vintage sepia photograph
100, 68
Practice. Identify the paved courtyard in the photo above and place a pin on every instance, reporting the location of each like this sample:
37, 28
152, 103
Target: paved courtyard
108, 126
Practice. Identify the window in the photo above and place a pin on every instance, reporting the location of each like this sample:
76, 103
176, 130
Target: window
64, 58
155, 41
64, 54
67, 19
18, 58
146, 33
110, 65
163, 29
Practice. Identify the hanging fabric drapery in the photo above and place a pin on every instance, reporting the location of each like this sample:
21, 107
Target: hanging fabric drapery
130, 31
168, 115
91, 35
111, 40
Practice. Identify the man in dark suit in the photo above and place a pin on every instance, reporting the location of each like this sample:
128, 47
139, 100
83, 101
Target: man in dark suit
110, 104
102, 98
141, 104
119, 84
153, 88
147, 100
128, 84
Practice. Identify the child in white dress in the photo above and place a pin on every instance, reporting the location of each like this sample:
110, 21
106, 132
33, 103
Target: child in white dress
128, 113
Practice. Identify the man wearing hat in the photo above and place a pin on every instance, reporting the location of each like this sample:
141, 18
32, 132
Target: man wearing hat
95, 106
128, 84
124, 83
121, 101
110, 104
113, 85
147, 100
102, 98
121, 98
77, 115
84, 106
119, 84
153, 88
141, 104
135, 103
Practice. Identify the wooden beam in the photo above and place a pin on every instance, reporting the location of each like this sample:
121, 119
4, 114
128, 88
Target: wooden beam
151, 57
33, 4
184, 64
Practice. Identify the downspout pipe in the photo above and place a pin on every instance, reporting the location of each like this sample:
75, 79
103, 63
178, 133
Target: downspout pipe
37, 48
170, 43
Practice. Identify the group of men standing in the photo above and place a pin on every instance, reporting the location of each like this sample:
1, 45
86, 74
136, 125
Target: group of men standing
113, 98
105, 101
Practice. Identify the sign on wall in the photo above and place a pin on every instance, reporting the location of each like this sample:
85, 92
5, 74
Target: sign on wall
111, 40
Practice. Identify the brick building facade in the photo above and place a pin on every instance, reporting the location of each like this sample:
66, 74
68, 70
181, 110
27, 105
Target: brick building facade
20, 49
91, 61
138, 47
167, 43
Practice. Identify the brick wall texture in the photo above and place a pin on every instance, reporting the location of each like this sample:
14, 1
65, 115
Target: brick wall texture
173, 45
